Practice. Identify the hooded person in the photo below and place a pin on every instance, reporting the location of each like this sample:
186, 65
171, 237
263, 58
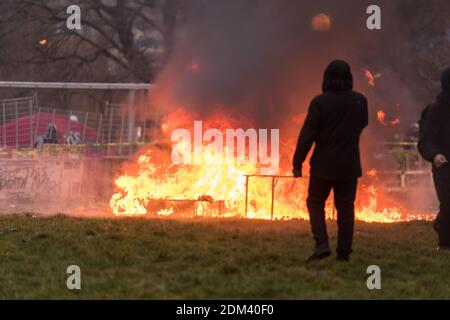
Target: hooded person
50, 137
334, 123
434, 146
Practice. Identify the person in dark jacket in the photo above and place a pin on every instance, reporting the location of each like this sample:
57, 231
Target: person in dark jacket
334, 124
434, 146
51, 137
422, 121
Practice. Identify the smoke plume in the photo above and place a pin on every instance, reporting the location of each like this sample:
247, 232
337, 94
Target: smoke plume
263, 59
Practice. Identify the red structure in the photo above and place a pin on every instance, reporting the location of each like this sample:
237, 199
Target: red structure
22, 132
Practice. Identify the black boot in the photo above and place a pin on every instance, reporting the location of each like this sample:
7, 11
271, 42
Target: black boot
343, 256
436, 223
320, 252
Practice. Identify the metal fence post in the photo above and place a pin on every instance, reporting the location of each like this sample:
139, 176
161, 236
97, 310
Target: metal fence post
99, 129
273, 198
53, 116
122, 120
85, 126
111, 110
36, 100
31, 123
17, 124
69, 123
131, 120
37, 123
53, 120
4, 125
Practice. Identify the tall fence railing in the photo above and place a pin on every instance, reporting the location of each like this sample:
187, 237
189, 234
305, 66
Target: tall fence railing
11, 111
405, 168
115, 132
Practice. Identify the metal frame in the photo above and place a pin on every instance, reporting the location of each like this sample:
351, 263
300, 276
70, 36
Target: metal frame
75, 85
274, 184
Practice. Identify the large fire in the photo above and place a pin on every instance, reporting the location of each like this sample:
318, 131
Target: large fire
154, 186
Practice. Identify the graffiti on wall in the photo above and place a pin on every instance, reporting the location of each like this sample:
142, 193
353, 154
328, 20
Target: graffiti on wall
32, 179
29, 179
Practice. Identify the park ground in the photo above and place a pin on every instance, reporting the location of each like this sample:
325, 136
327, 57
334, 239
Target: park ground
212, 259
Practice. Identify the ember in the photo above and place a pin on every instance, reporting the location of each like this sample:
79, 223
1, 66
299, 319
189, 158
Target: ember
372, 173
370, 78
381, 116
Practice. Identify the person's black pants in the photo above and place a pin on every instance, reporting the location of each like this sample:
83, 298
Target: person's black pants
442, 184
344, 199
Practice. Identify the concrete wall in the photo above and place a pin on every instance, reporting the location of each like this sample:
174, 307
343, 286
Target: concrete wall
40, 179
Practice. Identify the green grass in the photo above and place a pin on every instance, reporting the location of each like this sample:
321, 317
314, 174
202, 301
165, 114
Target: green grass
212, 259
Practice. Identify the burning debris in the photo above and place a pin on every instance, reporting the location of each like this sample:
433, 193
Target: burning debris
372, 173
381, 116
370, 78
260, 76
154, 186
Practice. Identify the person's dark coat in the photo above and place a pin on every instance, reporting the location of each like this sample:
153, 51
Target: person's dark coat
434, 140
334, 123
423, 117
435, 136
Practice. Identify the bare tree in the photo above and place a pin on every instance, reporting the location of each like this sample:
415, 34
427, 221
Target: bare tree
429, 45
126, 39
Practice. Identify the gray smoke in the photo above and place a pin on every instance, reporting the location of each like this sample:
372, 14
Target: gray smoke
260, 58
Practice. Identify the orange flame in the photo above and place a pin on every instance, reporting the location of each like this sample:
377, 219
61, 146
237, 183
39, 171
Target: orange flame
372, 173
153, 185
395, 122
381, 116
370, 77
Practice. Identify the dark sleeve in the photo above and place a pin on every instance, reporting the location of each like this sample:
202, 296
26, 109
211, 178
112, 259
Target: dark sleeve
428, 147
365, 114
308, 134
423, 116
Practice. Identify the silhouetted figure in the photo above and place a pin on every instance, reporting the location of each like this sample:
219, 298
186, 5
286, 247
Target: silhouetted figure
334, 123
434, 146
51, 137
422, 121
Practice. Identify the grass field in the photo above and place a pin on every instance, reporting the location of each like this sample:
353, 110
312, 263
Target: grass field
212, 259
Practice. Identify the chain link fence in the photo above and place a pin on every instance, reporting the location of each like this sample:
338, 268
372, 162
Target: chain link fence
116, 132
